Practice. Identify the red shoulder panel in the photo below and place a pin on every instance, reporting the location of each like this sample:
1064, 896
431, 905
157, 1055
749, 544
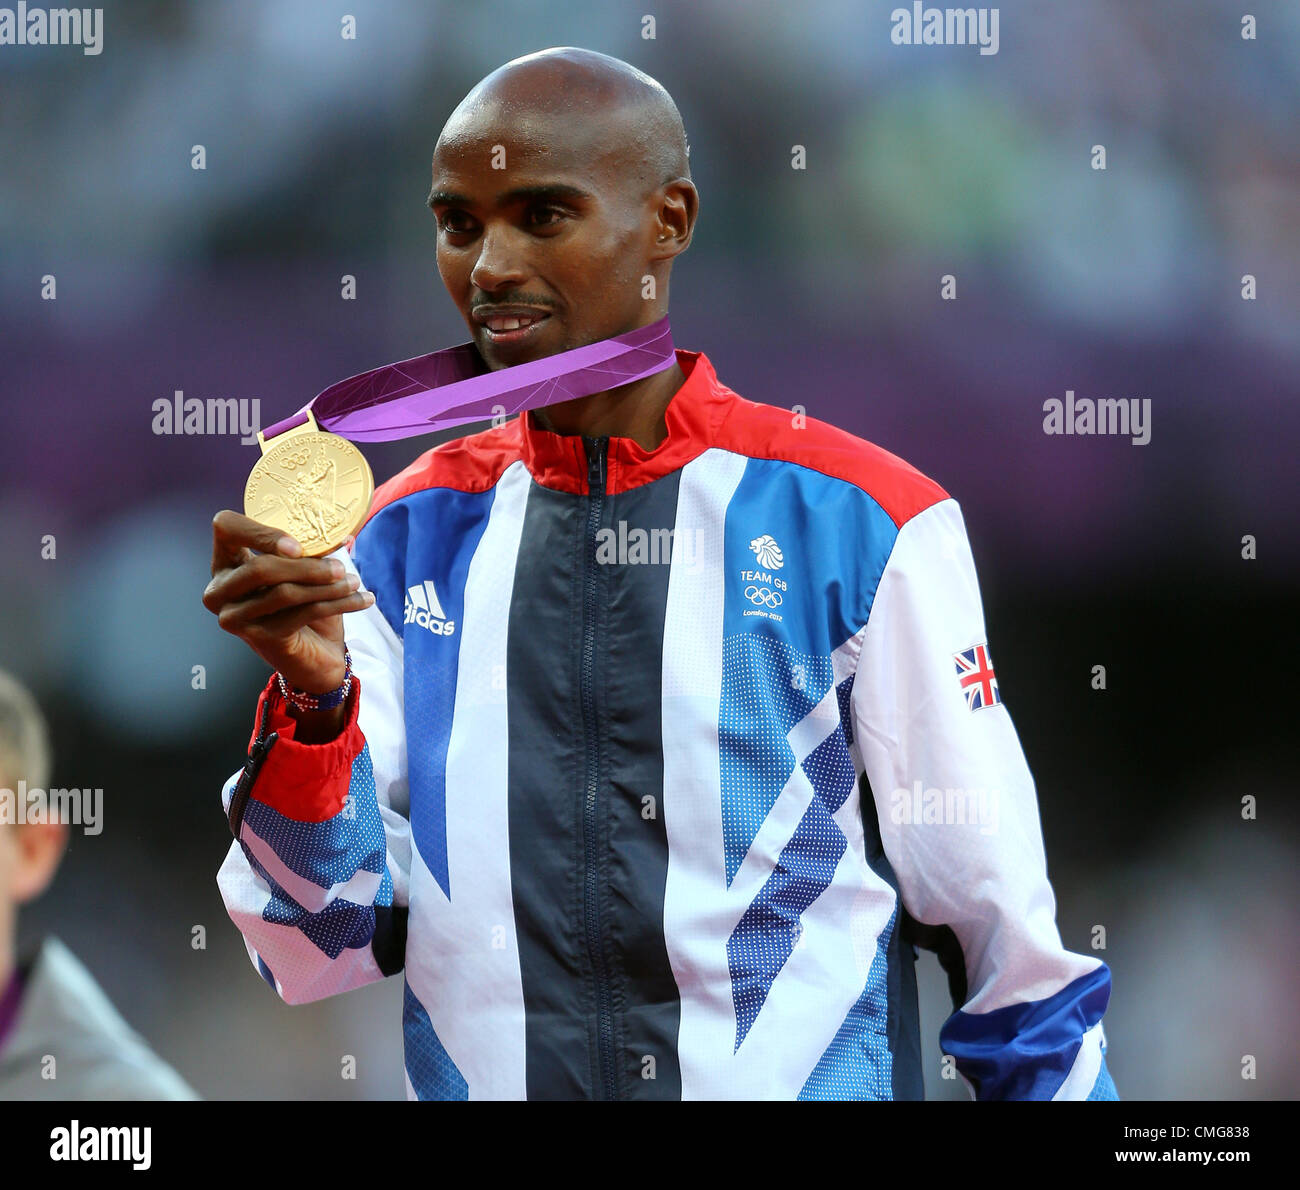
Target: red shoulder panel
470, 464
768, 432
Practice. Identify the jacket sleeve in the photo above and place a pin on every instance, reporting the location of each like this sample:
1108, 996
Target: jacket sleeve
959, 824
317, 876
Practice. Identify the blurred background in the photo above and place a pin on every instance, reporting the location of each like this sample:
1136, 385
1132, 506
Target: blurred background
818, 287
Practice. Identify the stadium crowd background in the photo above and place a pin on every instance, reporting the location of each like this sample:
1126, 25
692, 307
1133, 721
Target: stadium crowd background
817, 287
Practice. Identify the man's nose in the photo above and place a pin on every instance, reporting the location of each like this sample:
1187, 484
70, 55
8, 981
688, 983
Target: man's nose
500, 260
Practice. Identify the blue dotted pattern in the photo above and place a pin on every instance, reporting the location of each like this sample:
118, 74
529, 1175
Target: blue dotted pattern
767, 687
829, 769
767, 933
326, 853
428, 1065
1104, 1087
858, 1064
341, 925
329, 852
835, 541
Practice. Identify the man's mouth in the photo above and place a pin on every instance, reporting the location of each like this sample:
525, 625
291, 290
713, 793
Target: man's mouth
509, 325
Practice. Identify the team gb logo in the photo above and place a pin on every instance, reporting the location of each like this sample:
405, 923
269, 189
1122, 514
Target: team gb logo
768, 552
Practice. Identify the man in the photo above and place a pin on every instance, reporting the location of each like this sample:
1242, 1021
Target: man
625, 816
60, 1037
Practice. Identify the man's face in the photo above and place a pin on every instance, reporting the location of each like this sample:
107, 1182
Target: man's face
558, 236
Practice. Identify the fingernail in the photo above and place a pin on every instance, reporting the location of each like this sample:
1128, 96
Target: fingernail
370, 598
354, 581
287, 545
337, 568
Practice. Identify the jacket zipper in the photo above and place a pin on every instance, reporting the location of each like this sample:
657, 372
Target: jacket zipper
252, 766
595, 448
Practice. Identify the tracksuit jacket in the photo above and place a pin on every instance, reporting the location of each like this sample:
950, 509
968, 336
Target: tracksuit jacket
657, 767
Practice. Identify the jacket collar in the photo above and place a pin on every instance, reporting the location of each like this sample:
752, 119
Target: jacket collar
559, 461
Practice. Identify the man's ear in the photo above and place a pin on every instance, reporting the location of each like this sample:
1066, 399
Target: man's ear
39, 847
678, 210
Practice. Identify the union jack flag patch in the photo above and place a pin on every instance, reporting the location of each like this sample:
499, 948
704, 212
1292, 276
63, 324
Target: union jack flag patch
975, 674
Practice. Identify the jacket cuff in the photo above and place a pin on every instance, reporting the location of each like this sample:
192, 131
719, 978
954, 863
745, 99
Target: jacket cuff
305, 782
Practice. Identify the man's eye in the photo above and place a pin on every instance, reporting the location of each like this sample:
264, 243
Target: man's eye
446, 221
551, 209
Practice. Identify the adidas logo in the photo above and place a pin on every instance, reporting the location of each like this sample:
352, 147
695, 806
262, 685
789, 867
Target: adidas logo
423, 608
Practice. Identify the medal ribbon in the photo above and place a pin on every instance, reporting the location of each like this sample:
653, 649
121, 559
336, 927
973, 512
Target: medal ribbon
451, 387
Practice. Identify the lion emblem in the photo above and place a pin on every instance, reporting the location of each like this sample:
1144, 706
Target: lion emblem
768, 552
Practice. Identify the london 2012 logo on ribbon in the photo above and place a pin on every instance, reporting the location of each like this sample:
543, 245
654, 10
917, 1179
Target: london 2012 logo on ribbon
762, 587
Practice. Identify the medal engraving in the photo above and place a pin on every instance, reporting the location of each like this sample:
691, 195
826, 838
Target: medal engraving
312, 485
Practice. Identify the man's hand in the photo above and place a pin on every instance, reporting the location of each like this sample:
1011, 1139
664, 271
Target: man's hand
288, 609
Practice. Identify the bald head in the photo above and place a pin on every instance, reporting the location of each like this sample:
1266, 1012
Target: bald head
562, 195
583, 104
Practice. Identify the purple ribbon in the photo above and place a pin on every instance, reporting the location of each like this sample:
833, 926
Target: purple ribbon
451, 386
10, 1002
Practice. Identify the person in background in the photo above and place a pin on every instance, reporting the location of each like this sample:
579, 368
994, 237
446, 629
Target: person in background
60, 1036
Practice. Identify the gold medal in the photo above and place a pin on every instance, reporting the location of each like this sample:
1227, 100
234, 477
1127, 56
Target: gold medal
312, 485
